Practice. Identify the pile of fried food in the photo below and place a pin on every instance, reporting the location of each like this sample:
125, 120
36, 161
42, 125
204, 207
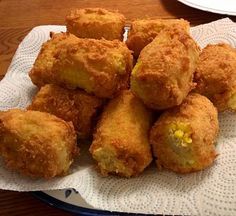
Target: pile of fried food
165, 107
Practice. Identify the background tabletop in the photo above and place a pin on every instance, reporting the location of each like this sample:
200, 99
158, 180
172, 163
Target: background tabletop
17, 18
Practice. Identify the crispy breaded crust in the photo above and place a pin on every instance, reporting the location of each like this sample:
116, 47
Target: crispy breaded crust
216, 75
36, 144
95, 23
100, 67
183, 138
143, 31
163, 75
120, 145
76, 106
42, 71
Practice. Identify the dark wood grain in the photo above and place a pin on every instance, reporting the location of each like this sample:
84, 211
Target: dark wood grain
17, 17
16, 203
9, 41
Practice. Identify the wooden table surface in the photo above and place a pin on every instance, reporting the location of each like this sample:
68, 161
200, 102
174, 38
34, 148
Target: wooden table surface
17, 18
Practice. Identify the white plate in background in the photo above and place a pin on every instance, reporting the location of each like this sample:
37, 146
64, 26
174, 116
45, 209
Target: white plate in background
216, 6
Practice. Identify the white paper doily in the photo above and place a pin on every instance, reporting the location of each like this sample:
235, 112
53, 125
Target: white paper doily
209, 192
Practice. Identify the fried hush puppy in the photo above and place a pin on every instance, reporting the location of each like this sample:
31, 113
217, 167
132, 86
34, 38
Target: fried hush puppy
163, 75
216, 76
183, 138
41, 73
120, 145
36, 144
95, 23
100, 67
76, 106
142, 32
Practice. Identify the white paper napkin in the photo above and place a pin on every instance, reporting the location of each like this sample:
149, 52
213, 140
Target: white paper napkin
209, 192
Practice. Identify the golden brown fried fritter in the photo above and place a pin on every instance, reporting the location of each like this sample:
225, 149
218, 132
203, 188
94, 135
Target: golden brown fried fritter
76, 106
100, 67
216, 76
36, 144
142, 32
183, 138
163, 75
96, 23
120, 145
42, 71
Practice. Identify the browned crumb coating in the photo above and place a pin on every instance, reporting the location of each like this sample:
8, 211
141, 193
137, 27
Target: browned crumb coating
183, 138
76, 106
100, 67
163, 75
42, 71
143, 31
120, 145
216, 75
36, 144
95, 23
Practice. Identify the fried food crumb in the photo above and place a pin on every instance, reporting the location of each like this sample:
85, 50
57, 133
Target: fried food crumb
37, 144
120, 145
183, 138
95, 23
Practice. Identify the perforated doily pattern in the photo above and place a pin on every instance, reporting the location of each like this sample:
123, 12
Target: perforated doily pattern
209, 192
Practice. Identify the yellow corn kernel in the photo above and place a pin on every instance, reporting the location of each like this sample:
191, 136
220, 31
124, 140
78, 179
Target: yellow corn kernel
187, 140
179, 134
